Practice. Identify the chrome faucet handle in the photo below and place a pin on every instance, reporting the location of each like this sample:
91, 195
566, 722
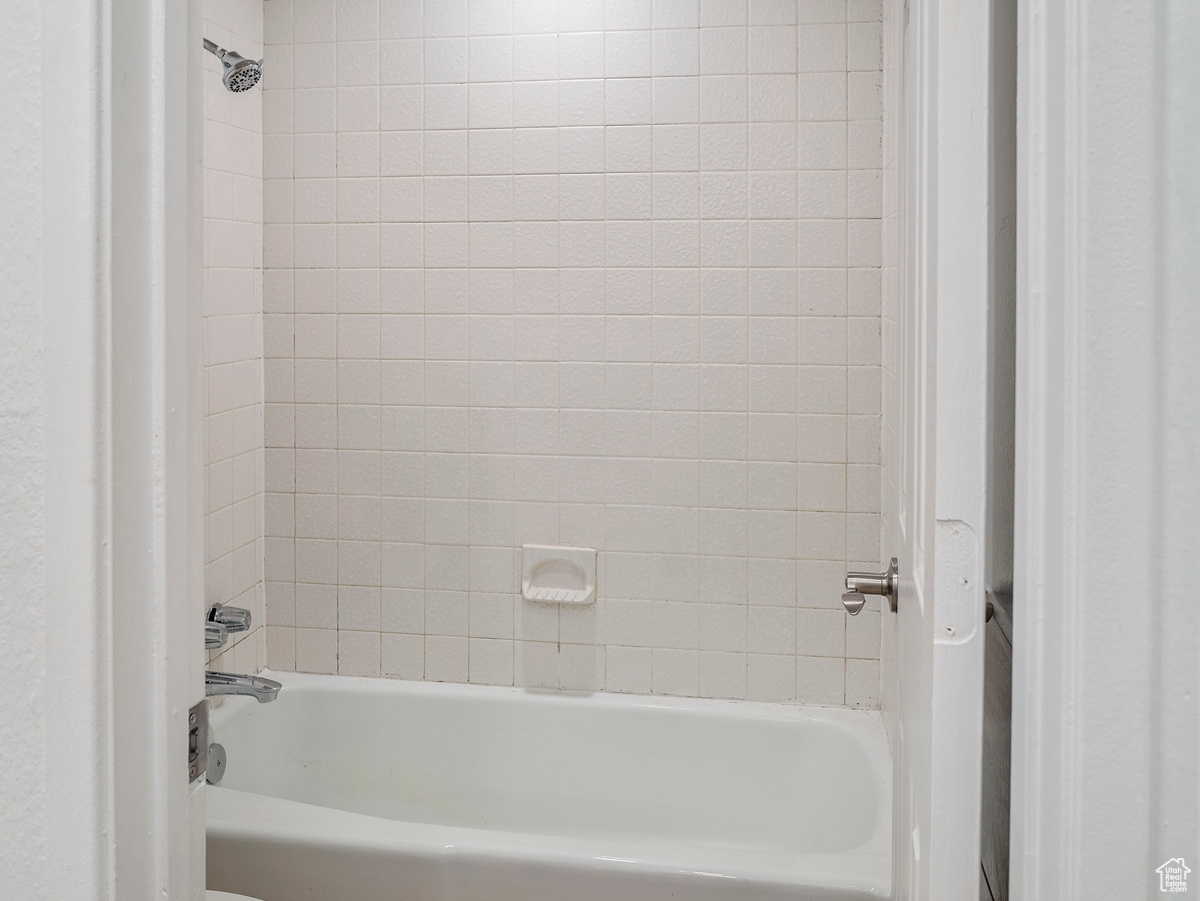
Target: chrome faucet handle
858, 585
234, 619
215, 636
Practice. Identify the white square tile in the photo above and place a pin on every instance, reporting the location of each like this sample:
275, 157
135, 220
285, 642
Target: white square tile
627, 101
821, 242
281, 648
445, 18
862, 683
822, 633
401, 62
628, 669
490, 17
620, 15
771, 677
535, 56
401, 153
357, 109
573, 16
864, 11
445, 106
820, 680
863, 95
822, 96
676, 13
628, 148
675, 100
402, 656
724, 98
581, 667
535, 15
446, 659
675, 672
490, 661
864, 44
358, 653
581, 102
723, 12
357, 63
676, 52
581, 55
314, 22
773, 48
676, 147
535, 103
722, 674
772, 12
535, 664
863, 635
723, 51
490, 59
316, 650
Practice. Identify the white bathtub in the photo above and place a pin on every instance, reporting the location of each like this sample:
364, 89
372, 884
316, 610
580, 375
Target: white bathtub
378, 790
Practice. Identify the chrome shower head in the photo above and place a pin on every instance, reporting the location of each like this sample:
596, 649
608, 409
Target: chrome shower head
241, 74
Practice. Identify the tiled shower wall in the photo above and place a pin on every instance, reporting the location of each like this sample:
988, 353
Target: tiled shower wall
592, 273
232, 157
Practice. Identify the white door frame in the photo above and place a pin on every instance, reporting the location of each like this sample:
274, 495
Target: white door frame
123, 467
1106, 626
936, 459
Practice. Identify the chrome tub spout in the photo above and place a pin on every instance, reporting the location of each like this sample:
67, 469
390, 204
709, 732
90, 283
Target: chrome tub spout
258, 687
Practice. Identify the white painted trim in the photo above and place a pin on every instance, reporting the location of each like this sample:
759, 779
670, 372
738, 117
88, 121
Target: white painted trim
77, 601
959, 190
156, 415
122, 465
939, 524
1176, 801
1092, 582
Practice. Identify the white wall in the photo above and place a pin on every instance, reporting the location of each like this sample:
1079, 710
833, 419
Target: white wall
1176, 803
604, 275
1106, 719
23, 795
233, 333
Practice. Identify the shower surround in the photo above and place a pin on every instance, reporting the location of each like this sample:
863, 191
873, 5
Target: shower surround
601, 274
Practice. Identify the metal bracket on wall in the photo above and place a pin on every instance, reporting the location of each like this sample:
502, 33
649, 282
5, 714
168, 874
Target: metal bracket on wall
197, 741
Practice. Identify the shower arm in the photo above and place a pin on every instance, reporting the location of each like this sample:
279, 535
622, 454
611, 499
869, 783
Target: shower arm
213, 48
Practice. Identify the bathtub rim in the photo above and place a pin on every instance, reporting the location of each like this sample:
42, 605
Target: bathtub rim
867, 723
233, 812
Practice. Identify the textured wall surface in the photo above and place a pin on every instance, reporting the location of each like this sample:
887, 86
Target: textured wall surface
233, 331
599, 274
23, 796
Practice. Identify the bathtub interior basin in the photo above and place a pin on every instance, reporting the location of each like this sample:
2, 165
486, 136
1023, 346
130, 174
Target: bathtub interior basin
749, 790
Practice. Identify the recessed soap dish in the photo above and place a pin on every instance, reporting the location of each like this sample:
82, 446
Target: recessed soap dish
558, 575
